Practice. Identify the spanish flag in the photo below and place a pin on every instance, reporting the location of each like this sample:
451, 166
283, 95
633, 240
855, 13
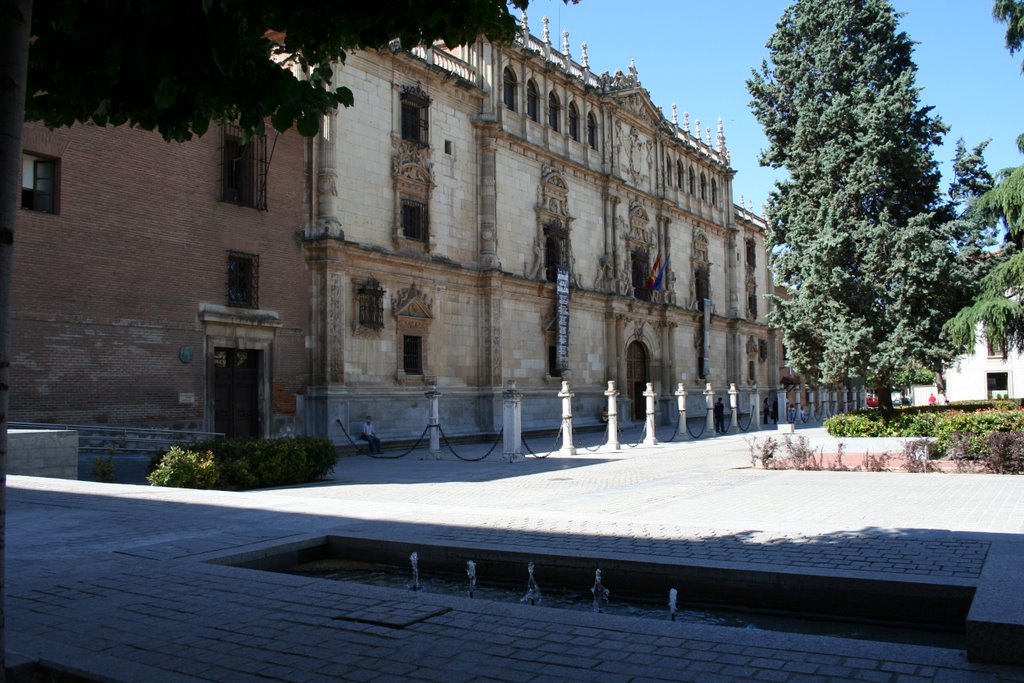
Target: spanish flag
656, 280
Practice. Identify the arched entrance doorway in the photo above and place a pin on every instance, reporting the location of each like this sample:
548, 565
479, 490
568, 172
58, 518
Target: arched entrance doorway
636, 379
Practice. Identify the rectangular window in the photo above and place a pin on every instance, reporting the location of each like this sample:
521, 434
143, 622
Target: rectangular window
39, 176
243, 279
414, 220
244, 169
414, 117
998, 387
370, 296
995, 349
412, 354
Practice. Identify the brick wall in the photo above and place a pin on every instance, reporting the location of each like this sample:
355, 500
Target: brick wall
106, 292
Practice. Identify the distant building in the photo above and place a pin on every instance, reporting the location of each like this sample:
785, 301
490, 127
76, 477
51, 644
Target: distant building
285, 286
986, 373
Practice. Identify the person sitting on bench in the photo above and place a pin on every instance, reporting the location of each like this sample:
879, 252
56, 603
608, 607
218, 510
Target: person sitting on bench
370, 436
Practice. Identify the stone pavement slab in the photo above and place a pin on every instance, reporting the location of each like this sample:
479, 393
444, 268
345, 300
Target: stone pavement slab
116, 581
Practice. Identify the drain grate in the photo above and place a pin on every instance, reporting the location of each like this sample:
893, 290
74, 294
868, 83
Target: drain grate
395, 620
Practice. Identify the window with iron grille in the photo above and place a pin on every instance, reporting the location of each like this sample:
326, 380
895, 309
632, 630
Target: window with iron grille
412, 354
640, 269
592, 131
751, 253
415, 105
752, 302
244, 169
39, 183
243, 279
556, 250
415, 223
370, 301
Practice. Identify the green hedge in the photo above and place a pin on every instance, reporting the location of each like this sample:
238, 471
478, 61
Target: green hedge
978, 419
245, 464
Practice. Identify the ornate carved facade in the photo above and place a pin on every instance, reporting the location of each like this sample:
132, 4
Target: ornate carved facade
466, 178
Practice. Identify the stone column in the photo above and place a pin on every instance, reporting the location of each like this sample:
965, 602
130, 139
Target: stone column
798, 397
566, 396
650, 439
612, 443
755, 407
513, 423
709, 401
434, 423
488, 197
734, 404
684, 432
783, 424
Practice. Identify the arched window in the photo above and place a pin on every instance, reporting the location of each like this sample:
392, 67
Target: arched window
680, 176
554, 111
714, 192
510, 88
532, 100
591, 131
693, 182
703, 187
574, 122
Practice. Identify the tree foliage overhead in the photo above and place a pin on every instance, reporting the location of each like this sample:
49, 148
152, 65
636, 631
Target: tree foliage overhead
999, 304
859, 236
175, 65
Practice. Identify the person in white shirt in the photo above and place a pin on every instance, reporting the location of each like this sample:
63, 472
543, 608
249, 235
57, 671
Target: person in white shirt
370, 436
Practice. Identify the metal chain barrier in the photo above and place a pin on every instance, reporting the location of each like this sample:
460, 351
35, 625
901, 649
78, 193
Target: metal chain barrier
553, 447
360, 451
447, 443
703, 426
750, 420
675, 432
643, 432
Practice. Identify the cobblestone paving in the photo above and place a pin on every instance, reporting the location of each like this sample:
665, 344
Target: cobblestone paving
110, 580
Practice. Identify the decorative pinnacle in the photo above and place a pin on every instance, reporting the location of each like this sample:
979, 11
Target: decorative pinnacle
565, 42
547, 32
675, 116
585, 59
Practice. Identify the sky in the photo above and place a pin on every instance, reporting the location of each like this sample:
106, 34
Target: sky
699, 55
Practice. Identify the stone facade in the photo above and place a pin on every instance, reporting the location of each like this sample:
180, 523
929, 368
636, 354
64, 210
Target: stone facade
514, 160
415, 242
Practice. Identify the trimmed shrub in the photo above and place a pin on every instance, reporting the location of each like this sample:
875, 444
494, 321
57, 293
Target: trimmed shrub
255, 463
186, 469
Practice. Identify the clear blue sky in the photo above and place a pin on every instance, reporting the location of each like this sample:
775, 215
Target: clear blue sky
699, 54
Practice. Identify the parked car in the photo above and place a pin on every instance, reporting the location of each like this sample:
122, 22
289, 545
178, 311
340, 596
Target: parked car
872, 401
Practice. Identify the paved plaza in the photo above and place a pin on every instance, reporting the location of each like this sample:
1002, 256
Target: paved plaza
120, 582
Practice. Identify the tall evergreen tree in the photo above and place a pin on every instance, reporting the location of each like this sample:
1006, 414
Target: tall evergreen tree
998, 308
858, 235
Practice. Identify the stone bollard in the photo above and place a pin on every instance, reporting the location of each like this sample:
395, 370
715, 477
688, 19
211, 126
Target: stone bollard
512, 420
650, 439
566, 396
434, 423
783, 424
709, 400
683, 430
734, 403
755, 407
612, 442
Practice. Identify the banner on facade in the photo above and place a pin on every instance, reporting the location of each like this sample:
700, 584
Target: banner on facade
562, 344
